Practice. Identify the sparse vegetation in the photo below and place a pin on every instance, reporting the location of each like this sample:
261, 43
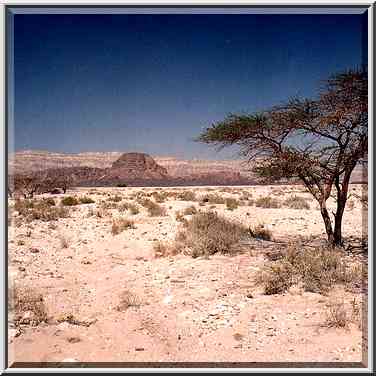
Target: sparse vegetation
39, 210
187, 196
69, 201
133, 208
27, 306
121, 224
336, 315
207, 233
261, 232
128, 299
164, 249
296, 202
154, 209
212, 199
268, 202
86, 200
231, 203
316, 269
115, 198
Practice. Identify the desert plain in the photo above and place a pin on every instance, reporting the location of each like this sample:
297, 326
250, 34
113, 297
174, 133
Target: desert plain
110, 286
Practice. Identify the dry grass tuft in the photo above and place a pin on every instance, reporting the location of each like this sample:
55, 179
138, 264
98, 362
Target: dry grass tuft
69, 201
27, 306
261, 232
86, 200
296, 202
164, 249
268, 202
154, 209
336, 315
121, 224
128, 299
316, 269
212, 199
207, 233
39, 210
187, 196
231, 203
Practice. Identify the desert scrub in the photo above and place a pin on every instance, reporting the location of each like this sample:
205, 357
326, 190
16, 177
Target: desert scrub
86, 200
69, 201
108, 205
121, 224
207, 233
336, 315
159, 197
164, 249
277, 277
317, 270
190, 210
212, 199
115, 198
133, 208
187, 196
39, 210
127, 299
267, 202
261, 232
26, 306
296, 202
231, 203
154, 209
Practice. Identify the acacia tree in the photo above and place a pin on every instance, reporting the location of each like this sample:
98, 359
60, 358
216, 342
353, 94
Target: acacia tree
318, 141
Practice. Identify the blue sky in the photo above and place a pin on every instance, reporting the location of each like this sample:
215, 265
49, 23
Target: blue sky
151, 83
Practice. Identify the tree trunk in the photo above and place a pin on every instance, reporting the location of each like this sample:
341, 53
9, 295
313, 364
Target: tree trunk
327, 222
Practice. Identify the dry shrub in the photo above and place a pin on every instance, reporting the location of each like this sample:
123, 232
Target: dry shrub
231, 203
296, 202
39, 210
133, 208
128, 299
102, 213
268, 202
206, 233
212, 199
154, 209
277, 277
316, 269
336, 315
86, 200
160, 197
121, 224
115, 198
27, 306
187, 196
64, 242
261, 232
190, 210
69, 201
108, 205
164, 249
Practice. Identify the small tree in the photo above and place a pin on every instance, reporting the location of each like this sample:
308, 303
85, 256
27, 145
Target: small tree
318, 141
27, 185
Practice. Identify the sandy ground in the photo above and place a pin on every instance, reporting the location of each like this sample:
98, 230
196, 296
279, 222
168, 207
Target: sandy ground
188, 310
